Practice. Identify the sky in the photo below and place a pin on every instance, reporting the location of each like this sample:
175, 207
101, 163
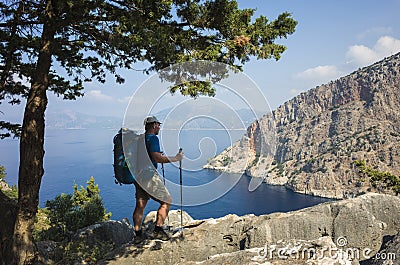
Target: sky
333, 38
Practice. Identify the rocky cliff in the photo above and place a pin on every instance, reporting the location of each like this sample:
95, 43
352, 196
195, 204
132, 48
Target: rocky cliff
343, 232
311, 142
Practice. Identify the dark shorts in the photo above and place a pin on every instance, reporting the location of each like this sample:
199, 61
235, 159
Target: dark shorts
140, 192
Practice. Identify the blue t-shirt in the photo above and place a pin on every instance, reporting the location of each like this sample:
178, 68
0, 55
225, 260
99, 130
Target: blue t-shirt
152, 145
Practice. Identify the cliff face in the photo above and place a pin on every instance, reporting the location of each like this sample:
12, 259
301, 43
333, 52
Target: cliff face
356, 224
310, 143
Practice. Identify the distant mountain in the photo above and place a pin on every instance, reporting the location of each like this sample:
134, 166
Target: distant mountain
74, 120
311, 143
194, 117
69, 119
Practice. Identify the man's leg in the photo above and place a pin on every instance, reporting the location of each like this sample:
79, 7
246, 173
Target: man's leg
137, 220
160, 194
138, 213
162, 213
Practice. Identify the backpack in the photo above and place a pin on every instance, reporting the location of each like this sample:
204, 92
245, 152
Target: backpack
125, 160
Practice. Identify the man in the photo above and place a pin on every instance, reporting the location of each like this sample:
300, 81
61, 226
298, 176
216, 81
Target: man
153, 188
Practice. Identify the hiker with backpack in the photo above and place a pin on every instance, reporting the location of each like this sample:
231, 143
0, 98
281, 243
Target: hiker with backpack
152, 187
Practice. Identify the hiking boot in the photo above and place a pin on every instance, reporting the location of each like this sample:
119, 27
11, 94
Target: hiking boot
159, 233
139, 237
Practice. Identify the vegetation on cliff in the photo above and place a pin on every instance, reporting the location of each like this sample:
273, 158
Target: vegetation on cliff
379, 179
10, 191
67, 213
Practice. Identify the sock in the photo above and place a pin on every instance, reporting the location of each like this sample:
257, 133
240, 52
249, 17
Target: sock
138, 233
157, 228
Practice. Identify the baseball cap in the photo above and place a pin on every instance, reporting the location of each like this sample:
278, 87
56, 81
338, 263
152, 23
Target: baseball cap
151, 119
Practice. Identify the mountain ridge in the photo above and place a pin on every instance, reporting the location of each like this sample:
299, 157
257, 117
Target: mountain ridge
69, 119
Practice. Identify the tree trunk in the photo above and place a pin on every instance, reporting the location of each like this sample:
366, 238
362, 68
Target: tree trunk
31, 170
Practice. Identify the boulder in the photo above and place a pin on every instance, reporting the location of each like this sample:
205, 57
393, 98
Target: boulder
389, 254
87, 244
172, 223
117, 232
321, 251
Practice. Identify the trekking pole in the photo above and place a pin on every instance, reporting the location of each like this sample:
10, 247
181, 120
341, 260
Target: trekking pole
163, 175
180, 182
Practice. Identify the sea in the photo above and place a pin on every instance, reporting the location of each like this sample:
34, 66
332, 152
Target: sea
74, 155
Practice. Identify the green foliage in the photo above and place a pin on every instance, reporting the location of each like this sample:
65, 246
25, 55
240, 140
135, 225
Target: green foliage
226, 161
3, 173
7, 129
12, 193
78, 252
68, 213
280, 169
255, 161
71, 212
379, 179
58, 211
42, 226
295, 172
83, 195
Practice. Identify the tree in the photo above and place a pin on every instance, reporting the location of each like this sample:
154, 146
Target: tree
70, 212
2, 172
90, 39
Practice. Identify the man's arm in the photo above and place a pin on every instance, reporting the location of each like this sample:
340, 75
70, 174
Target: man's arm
160, 158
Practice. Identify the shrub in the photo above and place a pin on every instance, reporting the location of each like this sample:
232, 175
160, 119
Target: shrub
12, 193
2, 172
68, 213
226, 161
378, 179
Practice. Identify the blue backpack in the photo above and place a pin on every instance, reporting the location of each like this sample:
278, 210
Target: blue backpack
122, 173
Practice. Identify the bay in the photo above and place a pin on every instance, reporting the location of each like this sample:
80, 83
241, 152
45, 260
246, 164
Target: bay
74, 155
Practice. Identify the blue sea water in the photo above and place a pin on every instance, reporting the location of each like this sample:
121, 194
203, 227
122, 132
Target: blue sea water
74, 155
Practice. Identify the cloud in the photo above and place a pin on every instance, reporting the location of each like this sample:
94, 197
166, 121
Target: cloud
356, 55
97, 95
124, 99
387, 45
361, 55
319, 73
